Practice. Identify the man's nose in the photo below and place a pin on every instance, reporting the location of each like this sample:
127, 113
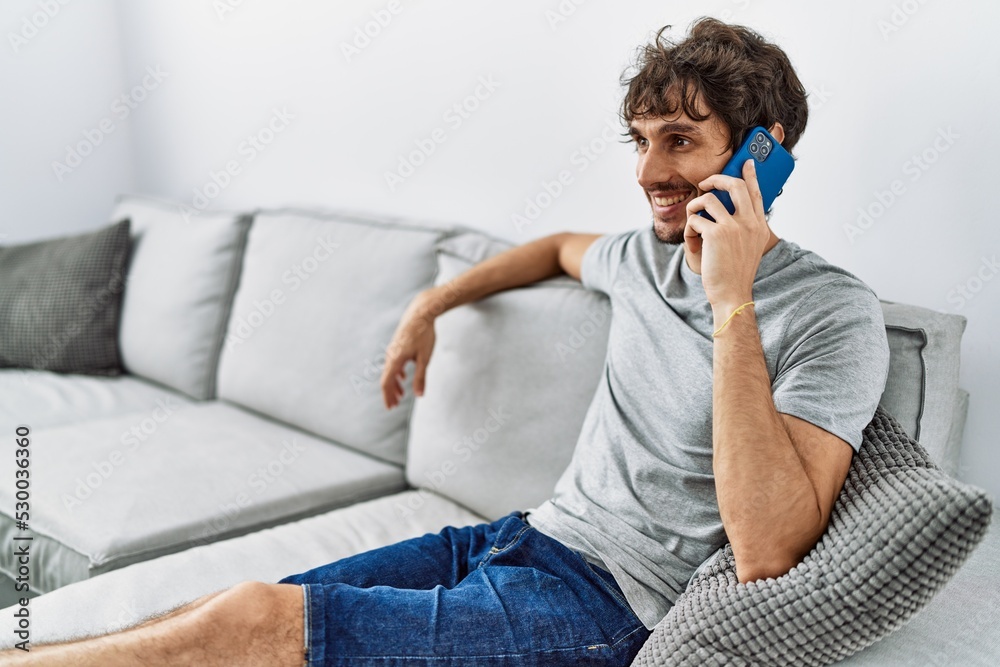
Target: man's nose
653, 169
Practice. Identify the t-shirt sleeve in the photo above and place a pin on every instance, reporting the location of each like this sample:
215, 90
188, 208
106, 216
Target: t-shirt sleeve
835, 360
600, 262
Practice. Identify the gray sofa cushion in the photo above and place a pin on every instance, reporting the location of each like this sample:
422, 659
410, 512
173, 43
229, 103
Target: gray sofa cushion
953, 447
507, 388
899, 530
319, 299
925, 350
182, 274
133, 487
42, 399
126, 596
60, 302
957, 628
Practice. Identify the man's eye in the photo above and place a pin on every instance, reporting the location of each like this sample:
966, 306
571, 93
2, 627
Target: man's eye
681, 141
640, 142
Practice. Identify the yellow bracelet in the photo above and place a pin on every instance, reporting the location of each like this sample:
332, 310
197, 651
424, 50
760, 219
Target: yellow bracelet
731, 316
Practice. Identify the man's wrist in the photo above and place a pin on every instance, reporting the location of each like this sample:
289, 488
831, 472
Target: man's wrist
434, 301
721, 310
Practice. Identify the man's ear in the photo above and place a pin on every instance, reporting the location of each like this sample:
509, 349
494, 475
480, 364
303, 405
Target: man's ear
777, 132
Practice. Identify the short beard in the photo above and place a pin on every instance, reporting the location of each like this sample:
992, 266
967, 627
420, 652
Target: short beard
673, 237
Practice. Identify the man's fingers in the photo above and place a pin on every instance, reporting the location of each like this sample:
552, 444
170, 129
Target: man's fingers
738, 189
694, 229
753, 188
719, 182
419, 377
697, 226
388, 392
707, 202
391, 375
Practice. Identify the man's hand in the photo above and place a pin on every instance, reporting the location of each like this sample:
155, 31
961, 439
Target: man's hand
730, 248
413, 341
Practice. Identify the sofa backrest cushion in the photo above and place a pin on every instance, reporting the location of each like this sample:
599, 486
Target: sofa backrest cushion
953, 446
922, 391
538, 352
182, 274
319, 299
507, 388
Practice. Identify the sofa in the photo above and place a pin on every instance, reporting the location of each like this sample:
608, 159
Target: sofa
247, 439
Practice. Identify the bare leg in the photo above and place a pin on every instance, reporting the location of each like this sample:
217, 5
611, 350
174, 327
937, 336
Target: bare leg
250, 624
183, 609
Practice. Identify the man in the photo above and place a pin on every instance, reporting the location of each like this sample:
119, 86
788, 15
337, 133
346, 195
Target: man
740, 372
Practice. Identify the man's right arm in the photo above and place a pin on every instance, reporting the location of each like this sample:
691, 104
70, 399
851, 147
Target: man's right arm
531, 262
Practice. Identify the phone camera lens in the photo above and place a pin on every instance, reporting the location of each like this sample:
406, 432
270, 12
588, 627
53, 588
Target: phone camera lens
764, 150
760, 138
754, 148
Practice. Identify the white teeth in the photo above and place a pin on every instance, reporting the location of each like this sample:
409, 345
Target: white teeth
670, 201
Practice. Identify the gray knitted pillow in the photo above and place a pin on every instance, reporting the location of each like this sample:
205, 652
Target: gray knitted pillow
60, 302
899, 530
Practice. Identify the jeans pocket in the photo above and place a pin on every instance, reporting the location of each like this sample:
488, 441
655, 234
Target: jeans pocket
509, 530
612, 588
609, 584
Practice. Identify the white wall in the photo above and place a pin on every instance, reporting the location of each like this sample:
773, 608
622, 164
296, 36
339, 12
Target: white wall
887, 77
61, 73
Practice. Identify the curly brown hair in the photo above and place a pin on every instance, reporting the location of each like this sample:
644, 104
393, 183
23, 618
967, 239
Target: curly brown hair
744, 79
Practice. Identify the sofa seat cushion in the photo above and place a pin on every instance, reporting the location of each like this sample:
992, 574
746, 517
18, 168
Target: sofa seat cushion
133, 487
42, 399
131, 594
319, 299
954, 630
957, 628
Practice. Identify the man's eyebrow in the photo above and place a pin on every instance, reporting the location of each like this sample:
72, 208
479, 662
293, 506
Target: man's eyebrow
669, 128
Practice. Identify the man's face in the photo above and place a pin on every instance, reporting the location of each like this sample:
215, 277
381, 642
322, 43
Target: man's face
675, 154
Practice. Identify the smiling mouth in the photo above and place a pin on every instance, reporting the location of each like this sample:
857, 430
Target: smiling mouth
670, 201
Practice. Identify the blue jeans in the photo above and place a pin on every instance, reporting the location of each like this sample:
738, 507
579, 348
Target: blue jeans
493, 594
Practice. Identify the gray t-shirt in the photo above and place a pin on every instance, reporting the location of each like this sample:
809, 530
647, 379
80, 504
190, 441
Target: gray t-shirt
638, 496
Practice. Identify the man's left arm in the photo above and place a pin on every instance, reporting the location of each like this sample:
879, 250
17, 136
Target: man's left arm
777, 476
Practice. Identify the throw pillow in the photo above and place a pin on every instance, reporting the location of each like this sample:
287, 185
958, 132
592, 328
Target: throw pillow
899, 530
60, 302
